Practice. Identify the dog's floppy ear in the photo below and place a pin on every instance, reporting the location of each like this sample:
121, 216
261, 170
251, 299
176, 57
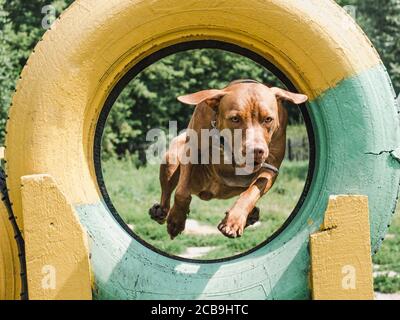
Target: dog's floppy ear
296, 98
211, 97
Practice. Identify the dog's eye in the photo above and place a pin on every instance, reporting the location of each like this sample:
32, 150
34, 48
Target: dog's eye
235, 119
268, 120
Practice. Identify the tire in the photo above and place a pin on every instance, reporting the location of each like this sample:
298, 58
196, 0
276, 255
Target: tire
12, 262
74, 69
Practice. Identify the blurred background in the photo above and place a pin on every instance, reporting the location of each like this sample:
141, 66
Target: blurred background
149, 101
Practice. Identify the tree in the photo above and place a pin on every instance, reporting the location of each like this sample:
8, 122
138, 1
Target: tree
8, 67
380, 19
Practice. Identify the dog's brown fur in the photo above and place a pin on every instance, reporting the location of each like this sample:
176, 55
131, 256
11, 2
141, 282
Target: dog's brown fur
252, 107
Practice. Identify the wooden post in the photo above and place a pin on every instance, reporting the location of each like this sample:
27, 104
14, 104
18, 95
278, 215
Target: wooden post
57, 254
341, 265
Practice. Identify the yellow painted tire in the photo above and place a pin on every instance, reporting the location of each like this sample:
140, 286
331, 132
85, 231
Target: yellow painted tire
10, 279
72, 72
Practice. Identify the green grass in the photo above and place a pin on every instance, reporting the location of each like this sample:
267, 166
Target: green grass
133, 191
388, 259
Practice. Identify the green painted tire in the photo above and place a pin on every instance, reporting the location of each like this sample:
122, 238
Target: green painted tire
352, 110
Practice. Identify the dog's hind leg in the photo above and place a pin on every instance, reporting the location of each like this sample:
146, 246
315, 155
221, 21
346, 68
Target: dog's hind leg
253, 217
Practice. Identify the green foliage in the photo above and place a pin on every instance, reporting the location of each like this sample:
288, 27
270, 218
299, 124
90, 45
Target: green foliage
380, 19
8, 66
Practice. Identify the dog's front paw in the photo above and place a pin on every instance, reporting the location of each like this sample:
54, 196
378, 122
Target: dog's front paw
232, 226
175, 226
158, 213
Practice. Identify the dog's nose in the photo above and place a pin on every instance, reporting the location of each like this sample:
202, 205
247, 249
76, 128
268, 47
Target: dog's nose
259, 153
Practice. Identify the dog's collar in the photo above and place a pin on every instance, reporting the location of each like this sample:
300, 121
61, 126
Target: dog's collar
270, 167
221, 143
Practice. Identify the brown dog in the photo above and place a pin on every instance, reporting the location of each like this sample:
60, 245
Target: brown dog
257, 111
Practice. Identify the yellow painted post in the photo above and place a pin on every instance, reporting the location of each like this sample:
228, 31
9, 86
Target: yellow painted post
57, 255
341, 265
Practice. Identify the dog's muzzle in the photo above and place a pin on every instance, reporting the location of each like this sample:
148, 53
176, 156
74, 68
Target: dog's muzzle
221, 140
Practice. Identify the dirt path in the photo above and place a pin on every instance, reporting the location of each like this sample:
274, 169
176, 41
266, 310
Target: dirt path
194, 227
385, 296
197, 252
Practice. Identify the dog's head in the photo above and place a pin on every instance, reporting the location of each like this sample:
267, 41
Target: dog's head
251, 107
